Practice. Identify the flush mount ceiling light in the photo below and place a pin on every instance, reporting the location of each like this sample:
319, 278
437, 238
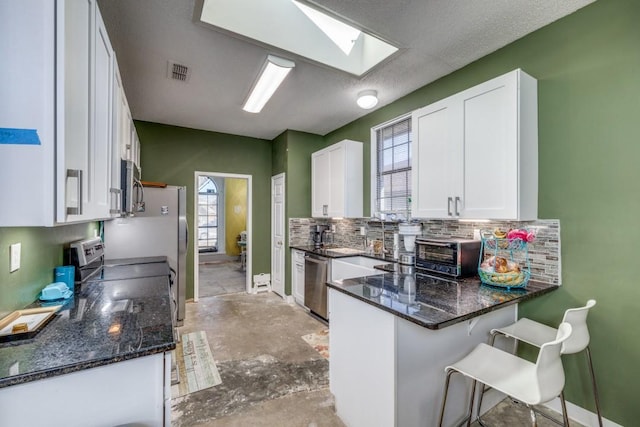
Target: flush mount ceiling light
273, 73
367, 99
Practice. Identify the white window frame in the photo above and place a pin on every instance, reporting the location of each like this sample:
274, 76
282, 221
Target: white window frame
374, 159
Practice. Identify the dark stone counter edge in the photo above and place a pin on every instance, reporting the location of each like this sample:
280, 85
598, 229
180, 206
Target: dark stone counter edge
328, 253
49, 373
444, 324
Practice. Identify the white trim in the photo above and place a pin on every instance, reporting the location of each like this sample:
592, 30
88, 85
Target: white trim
274, 178
373, 147
249, 249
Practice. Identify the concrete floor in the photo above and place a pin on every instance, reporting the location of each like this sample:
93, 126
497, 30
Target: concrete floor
221, 278
270, 375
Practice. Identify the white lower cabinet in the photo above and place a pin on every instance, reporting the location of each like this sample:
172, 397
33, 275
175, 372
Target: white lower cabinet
475, 154
297, 275
56, 114
387, 371
131, 392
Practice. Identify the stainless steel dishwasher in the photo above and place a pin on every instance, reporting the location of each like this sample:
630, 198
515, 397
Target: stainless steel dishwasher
316, 274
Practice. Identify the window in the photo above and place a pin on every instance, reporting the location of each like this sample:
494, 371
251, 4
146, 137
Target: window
207, 215
393, 168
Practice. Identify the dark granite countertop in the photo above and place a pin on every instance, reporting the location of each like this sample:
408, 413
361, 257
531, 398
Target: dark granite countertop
434, 302
342, 252
104, 323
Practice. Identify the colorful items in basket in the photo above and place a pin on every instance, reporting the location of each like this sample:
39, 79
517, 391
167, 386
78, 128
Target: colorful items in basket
502, 253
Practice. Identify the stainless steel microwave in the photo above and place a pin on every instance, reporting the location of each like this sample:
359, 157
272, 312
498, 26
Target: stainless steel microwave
451, 257
132, 190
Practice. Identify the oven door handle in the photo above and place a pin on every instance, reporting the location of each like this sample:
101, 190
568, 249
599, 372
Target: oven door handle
442, 245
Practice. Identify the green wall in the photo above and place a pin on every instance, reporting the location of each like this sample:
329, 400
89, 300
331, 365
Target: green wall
291, 153
588, 71
173, 154
42, 250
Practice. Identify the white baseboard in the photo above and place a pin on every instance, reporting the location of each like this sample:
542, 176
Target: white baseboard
576, 413
580, 414
289, 299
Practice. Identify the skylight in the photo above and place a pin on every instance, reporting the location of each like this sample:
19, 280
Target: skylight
296, 27
343, 35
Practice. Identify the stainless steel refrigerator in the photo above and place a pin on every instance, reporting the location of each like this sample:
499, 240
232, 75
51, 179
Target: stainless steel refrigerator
159, 230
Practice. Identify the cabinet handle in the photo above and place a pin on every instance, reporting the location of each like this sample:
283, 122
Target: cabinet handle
118, 197
449, 200
325, 210
76, 173
457, 211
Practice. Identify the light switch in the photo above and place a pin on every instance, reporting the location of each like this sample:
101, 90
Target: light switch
14, 254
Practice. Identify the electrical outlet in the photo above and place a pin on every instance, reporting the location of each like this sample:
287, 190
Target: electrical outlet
14, 251
333, 228
476, 234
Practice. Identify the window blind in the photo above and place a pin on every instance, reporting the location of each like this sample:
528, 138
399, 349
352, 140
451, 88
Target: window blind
393, 150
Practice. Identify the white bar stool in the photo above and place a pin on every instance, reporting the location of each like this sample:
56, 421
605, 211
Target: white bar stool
529, 383
535, 334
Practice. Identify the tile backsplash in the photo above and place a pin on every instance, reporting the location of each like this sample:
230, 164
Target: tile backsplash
544, 253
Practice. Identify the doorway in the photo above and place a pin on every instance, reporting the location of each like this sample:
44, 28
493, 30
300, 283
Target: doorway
222, 233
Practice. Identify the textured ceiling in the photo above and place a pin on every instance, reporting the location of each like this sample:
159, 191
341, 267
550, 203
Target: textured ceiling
437, 37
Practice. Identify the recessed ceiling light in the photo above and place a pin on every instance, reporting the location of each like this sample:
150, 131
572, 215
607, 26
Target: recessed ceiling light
367, 99
273, 73
343, 35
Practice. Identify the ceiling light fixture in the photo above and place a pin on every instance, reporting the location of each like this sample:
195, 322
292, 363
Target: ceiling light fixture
273, 73
367, 99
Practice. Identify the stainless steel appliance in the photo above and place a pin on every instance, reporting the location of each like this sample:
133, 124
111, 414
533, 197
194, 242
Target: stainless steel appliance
317, 235
452, 257
316, 274
132, 190
159, 230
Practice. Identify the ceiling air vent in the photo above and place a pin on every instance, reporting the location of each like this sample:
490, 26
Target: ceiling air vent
178, 72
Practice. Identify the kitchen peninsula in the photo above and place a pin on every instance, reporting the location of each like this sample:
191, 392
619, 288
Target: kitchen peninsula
393, 334
105, 356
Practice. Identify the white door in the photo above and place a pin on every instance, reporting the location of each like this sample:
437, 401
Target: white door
277, 234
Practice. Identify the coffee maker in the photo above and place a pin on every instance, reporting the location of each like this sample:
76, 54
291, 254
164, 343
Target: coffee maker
317, 232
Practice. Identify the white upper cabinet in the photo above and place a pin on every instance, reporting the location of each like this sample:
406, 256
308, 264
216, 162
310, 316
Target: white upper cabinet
336, 181
475, 154
102, 141
57, 111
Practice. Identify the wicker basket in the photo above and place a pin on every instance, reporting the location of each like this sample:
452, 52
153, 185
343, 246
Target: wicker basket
514, 279
513, 250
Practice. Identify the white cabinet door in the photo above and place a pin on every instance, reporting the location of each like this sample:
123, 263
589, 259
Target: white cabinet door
320, 184
27, 109
117, 134
436, 161
58, 109
475, 154
336, 181
74, 27
101, 143
297, 275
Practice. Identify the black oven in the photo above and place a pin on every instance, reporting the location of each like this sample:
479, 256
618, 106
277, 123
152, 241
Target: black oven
452, 257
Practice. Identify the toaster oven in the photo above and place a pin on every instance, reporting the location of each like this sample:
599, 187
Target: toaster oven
451, 257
